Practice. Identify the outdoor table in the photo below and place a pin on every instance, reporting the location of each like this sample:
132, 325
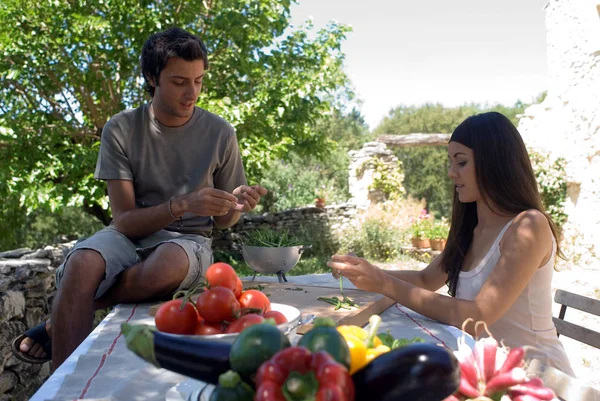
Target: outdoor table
102, 368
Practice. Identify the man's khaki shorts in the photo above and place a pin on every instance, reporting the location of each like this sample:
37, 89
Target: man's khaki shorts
120, 253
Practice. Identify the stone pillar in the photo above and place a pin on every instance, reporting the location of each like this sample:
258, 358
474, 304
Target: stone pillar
567, 123
362, 173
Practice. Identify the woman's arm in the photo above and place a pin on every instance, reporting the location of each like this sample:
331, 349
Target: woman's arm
431, 278
523, 249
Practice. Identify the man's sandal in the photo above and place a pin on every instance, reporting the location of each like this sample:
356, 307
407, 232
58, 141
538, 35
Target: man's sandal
40, 336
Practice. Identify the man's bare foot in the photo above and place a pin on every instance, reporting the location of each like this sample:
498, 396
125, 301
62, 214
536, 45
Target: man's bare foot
30, 347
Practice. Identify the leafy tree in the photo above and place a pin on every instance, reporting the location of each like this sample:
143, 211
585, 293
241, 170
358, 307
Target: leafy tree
425, 167
348, 130
295, 182
68, 66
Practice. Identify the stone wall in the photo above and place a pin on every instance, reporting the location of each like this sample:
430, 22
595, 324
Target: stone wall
567, 123
27, 286
329, 219
26, 291
361, 172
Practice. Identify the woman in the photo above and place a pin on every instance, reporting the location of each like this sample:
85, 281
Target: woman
499, 257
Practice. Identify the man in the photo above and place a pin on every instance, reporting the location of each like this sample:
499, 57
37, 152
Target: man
173, 172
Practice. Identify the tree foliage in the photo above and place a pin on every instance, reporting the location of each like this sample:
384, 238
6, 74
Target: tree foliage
67, 66
426, 167
298, 180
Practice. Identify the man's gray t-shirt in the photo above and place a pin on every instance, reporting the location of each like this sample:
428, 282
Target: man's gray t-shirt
164, 161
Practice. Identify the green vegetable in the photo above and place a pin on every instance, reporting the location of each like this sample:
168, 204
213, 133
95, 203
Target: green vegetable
253, 346
270, 238
345, 302
393, 343
324, 337
232, 388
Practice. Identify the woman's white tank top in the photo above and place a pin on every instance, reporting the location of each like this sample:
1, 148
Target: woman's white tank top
529, 319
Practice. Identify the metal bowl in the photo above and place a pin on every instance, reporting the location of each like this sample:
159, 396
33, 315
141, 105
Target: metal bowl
271, 260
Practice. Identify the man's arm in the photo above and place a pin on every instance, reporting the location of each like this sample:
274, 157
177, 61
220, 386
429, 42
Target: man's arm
140, 222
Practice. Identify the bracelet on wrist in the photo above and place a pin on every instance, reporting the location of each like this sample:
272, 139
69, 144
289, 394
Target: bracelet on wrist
178, 219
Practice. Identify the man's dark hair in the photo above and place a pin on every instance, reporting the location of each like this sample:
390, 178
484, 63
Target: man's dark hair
162, 46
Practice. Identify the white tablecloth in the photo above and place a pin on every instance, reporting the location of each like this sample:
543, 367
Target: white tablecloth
102, 368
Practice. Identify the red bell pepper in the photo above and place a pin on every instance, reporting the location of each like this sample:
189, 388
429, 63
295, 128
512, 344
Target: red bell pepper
296, 374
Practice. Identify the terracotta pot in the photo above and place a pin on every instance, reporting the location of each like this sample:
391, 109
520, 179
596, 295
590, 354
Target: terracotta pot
420, 243
320, 202
438, 244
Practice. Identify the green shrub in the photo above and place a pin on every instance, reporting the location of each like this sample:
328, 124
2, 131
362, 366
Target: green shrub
552, 184
43, 227
378, 233
373, 240
388, 179
297, 182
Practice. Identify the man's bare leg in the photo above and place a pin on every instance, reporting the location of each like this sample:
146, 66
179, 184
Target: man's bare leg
73, 306
72, 311
157, 276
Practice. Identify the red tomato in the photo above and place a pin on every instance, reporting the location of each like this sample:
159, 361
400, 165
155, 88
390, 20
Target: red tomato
170, 319
239, 288
255, 299
278, 316
217, 304
207, 329
221, 275
245, 321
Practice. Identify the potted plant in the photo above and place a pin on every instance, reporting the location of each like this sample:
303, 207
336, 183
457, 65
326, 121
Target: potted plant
320, 196
420, 230
439, 234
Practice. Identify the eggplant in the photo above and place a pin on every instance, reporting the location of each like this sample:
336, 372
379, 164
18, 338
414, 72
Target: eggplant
200, 359
416, 372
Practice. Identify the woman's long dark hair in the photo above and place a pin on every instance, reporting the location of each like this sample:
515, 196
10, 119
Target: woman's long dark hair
505, 179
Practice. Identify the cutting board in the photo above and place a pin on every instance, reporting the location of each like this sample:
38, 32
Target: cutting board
304, 297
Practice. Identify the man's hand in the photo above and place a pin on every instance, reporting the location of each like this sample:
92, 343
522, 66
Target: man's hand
248, 197
205, 202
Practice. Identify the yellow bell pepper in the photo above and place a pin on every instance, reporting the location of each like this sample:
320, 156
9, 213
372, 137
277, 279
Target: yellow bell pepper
364, 345
374, 352
358, 352
358, 332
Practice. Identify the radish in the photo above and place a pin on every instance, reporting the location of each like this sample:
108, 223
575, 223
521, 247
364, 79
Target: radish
542, 393
513, 360
505, 380
525, 398
465, 388
467, 368
492, 371
490, 347
535, 382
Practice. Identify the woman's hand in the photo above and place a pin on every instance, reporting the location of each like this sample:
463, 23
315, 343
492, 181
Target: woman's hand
361, 273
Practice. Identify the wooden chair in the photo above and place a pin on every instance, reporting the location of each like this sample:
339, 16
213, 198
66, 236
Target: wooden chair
574, 331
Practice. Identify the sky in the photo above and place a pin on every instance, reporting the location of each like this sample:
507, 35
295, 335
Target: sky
408, 52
